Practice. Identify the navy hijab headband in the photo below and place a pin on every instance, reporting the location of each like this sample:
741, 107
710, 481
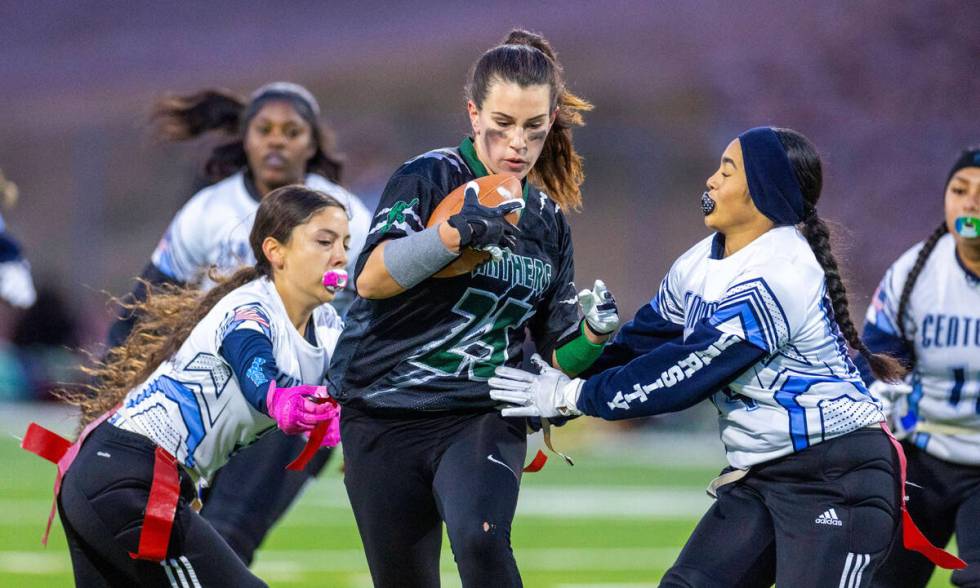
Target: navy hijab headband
772, 184
969, 158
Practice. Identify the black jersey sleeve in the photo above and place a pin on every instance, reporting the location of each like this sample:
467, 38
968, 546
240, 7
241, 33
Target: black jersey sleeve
405, 206
557, 318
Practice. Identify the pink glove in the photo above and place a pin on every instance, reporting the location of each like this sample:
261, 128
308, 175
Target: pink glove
332, 438
300, 408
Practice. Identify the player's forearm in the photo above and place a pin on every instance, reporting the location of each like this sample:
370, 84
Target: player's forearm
400, 264
575, 356
250, 355
374, 282
647, 331
671, 378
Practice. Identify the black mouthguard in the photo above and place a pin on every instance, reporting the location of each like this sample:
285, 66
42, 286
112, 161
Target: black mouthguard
707, 204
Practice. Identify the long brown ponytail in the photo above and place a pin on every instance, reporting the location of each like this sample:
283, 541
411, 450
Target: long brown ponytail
170, 312
527, 59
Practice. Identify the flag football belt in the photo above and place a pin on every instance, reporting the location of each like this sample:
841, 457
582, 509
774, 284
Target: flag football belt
726, 478
164, 489
161, 506
309, 450
912, 537
541, 458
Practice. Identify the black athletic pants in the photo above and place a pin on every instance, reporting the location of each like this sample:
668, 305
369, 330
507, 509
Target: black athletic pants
823, 517
253, 490
406, 476
102, 501
945, 499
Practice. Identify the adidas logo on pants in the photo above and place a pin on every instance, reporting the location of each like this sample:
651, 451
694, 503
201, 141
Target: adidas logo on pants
829, 517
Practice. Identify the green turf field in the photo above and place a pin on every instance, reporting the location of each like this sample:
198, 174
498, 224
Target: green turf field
616, 519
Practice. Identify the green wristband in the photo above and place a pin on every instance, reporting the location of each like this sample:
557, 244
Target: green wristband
578, 354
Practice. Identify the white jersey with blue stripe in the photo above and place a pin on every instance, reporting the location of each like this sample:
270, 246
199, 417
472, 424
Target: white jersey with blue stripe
772, 294
942, 413
211, 230
192, 405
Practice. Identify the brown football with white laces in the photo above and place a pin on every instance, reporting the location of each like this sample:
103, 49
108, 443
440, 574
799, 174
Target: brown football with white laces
492, 191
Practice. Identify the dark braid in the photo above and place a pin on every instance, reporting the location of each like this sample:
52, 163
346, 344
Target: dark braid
809, 175
910, 279
817, 234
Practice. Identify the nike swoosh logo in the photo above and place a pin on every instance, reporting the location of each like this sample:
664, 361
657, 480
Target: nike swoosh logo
498, 462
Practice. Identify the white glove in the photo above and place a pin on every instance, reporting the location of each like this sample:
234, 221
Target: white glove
599, 308
548, 394
16, 286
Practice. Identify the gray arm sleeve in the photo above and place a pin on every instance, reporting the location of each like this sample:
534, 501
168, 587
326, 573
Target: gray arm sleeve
411, 259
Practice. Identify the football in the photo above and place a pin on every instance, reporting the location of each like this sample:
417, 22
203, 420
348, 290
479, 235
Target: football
493, 190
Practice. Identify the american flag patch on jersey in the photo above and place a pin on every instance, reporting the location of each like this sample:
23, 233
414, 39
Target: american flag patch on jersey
249, 313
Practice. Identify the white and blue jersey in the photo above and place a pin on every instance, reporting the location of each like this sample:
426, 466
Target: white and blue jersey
941, 415
212, 230
16, 283
208, 400
755, 332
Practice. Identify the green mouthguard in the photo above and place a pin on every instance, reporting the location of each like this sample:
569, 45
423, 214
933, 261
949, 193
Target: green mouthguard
968, 226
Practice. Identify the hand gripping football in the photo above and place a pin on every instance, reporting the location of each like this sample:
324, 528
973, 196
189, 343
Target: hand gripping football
493, 190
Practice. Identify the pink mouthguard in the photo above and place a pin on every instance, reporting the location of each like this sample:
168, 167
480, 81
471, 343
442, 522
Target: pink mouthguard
335, 279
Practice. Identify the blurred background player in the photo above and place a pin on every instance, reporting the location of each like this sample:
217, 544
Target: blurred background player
201, 376
755, 317
16, 284
278, 141
423, 443
927, 312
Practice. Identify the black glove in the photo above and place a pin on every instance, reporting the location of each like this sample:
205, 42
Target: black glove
484, 226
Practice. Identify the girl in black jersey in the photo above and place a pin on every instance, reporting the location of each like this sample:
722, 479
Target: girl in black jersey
423, 442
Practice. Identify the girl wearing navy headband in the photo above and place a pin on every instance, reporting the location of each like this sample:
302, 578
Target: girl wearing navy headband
927, 312
755, 318
273, 138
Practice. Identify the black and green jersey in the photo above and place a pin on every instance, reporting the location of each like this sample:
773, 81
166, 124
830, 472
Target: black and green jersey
433, 347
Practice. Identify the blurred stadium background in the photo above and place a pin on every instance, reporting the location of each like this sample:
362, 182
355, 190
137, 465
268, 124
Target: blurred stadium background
887, 90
